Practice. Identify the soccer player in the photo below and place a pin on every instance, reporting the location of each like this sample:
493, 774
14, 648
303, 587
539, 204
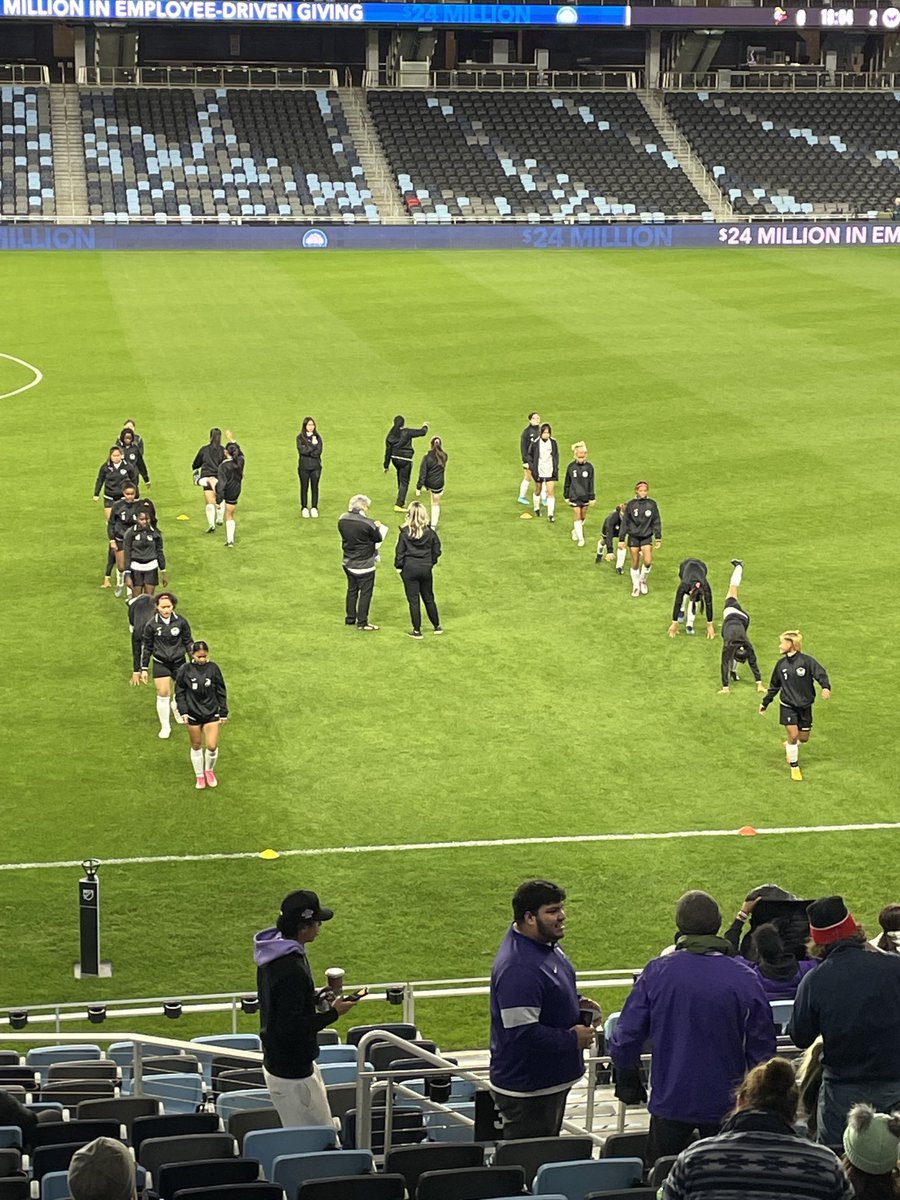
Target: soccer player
121, 519
203, 703
141, 609
398, 450
693, 591
530, 435
545, 470
228, 486
736, 646
431, 477
417, 552
309, 466
578, 489
144, 556
111, 480
641, 530
133, 453
206, 465
609, 533
167, 640
795, 676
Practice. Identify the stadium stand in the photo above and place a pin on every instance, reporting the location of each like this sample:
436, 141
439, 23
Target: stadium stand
26, 152
180, 153
776, 153
528, 155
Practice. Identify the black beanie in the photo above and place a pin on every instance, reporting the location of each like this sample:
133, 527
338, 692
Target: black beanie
697, 913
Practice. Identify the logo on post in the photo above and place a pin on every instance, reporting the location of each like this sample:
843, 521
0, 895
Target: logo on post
87, 894
314, 239
567, 15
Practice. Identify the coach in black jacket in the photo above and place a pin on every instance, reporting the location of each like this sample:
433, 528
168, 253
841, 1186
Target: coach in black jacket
361, 537
291, 1011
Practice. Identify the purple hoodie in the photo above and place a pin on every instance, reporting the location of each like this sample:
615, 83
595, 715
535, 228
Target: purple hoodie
269, 944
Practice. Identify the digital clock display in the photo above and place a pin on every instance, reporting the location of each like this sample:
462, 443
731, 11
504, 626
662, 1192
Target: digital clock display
842, 18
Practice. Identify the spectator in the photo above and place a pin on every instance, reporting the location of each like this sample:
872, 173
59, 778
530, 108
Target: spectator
758, 1152
852, 1000
102, 1170
889, 920
870, 1153
770, 903
538, 1037
291, 1011
778, 969
709, 1022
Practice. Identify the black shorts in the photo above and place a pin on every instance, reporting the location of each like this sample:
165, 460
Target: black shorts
203, 720
547, 478
139, 577
162, 670
634, 540
801, 717
578, 503
231, 497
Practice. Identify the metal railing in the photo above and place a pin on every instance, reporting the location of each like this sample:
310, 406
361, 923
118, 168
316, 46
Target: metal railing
775, 79
206, 77
519, 78
24, 73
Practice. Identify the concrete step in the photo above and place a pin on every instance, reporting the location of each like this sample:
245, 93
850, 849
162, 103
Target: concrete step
69, 179
368, 146
701, 181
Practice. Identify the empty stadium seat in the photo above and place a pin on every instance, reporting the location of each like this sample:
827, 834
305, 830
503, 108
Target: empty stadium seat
26, 153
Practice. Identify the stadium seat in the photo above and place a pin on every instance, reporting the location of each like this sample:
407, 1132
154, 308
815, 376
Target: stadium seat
55, 1133
10, 1161
576, 1179
413, 1161
407, 1128
471, 1183
266, 1145
229, 1103
41, 1058
26, 161
531, 1153
171, 1125
443, 1128
55, 1186
354, 1187
124, 1109
178, 1093
193, 1147
10, 1135
399, 1029
626, 1145
336, 1054
233, 1191
17, 1187
289, 1171
203, 1173
659, 1172
638, 1193
241, 1123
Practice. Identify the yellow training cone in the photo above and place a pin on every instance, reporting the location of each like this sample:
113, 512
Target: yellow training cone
182, 517
268, 855
525, 516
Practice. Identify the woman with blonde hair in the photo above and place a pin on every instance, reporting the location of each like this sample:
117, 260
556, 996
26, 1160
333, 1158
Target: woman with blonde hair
431, 477
795, 676
758, 1152
418, 549
578, 489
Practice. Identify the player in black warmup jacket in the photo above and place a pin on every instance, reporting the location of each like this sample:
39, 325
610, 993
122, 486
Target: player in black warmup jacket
693, 591
203, 703
417, 552
431, 477
206, 465
609, 533
545, 470
111, 479
121, 519
144, 556
736, 646
642, 530
530, 434
141, 609
309, 466
166, 639
578, 490
133, 453
398, 450
795, 676
228, 487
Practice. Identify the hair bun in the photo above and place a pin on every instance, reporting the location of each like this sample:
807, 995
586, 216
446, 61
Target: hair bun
779, 1074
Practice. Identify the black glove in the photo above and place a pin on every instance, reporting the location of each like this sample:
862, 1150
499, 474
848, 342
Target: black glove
629, 1088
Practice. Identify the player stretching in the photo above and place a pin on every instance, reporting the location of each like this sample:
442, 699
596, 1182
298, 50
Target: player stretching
530, 434
578, 490
641, 530
609, 533
736, 646
693, 591
795, 676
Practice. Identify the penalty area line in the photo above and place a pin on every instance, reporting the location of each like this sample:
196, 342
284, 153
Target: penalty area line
473, 844
38, 376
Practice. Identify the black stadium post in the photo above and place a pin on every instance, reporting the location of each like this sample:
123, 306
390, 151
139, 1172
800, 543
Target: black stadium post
89, 921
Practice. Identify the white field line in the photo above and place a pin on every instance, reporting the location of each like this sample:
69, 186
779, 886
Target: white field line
38, 376
475, 844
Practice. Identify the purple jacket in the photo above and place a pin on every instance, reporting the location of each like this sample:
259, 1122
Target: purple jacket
784, 988
709, 1021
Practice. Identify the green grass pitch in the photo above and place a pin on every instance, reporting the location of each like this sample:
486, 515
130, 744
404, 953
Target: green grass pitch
757, 391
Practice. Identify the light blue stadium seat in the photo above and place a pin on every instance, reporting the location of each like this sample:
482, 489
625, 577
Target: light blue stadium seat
336, 1054
10, 1135
228, 1103
442, 1128
178, 1091
55, 1186
575, 1180
289, 1171
43, 1057
266, 1145
341, 1072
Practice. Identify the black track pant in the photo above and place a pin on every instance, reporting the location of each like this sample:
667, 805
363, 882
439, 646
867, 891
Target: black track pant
309, 480
359, 596
403, 467
417, 582
110, 561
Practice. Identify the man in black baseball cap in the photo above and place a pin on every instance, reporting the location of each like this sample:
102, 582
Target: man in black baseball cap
291, 1011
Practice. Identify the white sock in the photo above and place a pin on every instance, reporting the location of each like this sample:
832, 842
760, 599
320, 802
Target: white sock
689, 618
120, 578
174, 707
210, 514
645, 571
537, 500
793, 753
229, 531
220, 512
435, 515
635, 577
162, 711
212, 757
579, 530
620, 558
551, 505
197, 761
523, 489
736, 576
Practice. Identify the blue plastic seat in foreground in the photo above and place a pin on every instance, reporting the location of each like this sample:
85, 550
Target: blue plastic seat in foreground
265, 1145
289, 1171
577, 1179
